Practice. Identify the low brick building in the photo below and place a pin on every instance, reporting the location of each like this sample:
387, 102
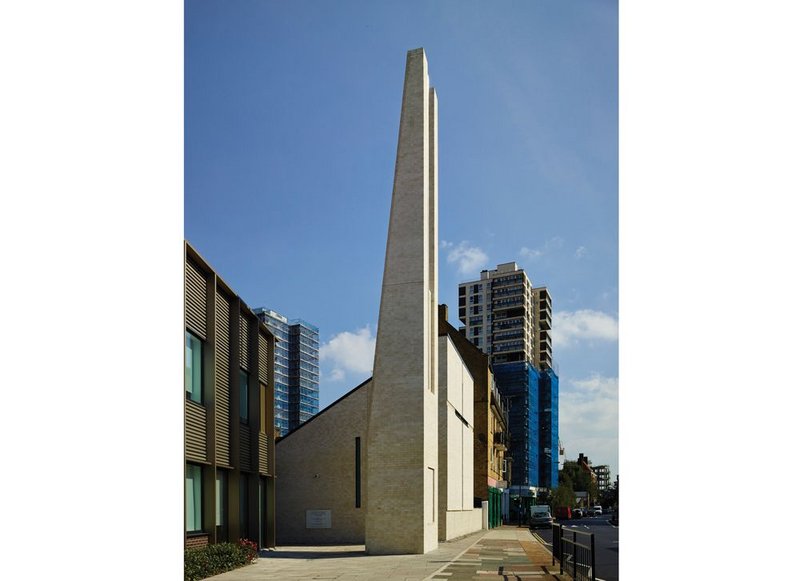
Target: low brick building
321, 496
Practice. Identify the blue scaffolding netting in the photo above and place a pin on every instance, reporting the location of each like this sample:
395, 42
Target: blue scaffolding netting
532, 397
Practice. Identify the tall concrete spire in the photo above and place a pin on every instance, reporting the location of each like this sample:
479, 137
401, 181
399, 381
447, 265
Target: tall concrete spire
402, 457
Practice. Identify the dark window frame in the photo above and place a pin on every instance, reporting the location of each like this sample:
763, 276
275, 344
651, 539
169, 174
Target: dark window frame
246, 402
358, 472
202, 353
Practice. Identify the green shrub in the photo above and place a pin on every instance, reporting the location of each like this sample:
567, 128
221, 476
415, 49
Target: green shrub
203, 562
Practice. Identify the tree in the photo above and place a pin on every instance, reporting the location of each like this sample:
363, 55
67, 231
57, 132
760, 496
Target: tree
563, 496
611, 496
577, 478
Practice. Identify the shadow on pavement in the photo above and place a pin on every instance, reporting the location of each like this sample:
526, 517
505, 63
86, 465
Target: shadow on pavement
311, 554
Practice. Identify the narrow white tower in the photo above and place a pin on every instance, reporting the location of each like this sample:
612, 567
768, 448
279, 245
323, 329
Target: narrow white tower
402, 456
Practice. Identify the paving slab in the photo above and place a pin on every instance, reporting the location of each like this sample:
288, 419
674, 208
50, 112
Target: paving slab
505, 552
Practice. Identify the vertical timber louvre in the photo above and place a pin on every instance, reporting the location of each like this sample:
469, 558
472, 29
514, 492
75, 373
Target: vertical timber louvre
244, 343
223, 381
263, 359
195, 300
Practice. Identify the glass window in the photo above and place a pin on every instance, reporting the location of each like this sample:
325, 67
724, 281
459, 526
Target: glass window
222, 480
194, 498
243, 394
193, 376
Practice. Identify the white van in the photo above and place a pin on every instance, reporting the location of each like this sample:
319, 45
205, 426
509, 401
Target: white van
540, 516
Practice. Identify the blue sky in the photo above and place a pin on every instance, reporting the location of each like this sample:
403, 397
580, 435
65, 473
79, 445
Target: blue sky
291, 121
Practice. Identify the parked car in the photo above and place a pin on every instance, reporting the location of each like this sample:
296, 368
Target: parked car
540, 517
596, 510
563, 512
577, 512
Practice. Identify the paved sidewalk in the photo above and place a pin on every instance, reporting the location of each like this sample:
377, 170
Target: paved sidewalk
503, 553
507, 553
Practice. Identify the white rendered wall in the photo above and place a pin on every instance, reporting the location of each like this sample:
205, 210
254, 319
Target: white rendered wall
457, 516
460, 523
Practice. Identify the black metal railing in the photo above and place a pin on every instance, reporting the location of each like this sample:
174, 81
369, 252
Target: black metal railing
576, 558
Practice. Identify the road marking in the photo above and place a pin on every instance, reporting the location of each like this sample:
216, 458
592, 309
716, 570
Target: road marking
540, 539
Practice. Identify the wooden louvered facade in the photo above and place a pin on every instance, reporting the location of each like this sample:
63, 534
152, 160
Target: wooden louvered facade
263, 359
195, 432
222, 379
263, 452
233, 452
244, 446
244, 343
195, 299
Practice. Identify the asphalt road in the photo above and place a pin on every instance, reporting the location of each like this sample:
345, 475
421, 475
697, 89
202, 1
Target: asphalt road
606, 543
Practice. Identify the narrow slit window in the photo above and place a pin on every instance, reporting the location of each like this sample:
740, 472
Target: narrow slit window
358, 472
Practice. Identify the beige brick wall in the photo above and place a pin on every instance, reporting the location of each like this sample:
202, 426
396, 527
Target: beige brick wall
316, 471
403, 420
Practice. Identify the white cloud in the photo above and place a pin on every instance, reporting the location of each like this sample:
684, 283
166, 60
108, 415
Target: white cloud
580, 252
589, 419
349, 353
536, 253
469, 259
570, 327
597, 385
526, 252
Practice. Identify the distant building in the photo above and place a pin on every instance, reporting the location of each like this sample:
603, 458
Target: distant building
507, 317
603, 477
296, 369
586, 465
228, 414
510, 320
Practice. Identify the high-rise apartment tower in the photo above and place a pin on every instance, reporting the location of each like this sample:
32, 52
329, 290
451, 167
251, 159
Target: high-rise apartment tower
507, 317
510, 320
296, 369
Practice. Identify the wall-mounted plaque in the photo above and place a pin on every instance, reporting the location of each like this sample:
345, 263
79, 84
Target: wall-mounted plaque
318, 519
